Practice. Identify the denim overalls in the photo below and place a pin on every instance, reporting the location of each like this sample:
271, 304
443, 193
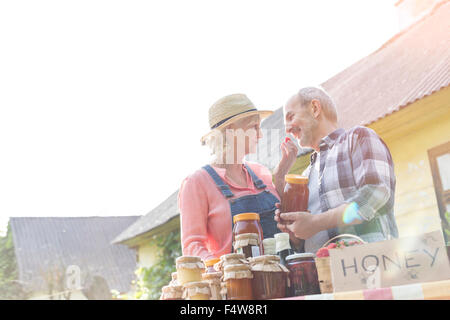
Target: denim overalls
262, 203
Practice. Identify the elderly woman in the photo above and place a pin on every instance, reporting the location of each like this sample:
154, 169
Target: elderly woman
211, 196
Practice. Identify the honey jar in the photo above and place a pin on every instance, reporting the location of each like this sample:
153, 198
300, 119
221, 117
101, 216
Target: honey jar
214, 280
269, 277
199, 290
238, 278
189, 269
172, 292
248, 223
210, 265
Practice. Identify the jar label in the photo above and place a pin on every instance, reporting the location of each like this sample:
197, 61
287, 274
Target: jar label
255, 251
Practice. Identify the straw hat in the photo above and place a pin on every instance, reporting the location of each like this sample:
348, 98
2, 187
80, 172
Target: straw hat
230, 109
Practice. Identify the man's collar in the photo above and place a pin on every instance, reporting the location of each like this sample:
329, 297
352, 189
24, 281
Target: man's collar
330, 139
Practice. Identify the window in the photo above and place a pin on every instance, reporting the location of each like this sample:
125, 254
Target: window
440, 168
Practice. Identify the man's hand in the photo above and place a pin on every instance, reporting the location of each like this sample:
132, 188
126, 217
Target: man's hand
302, 225
282, 226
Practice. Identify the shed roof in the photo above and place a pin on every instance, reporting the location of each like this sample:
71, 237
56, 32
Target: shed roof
44, 243
413, 64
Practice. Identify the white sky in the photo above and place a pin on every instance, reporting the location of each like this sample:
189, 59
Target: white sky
103, 103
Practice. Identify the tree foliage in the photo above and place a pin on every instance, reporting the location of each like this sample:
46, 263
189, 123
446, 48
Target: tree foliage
10, 288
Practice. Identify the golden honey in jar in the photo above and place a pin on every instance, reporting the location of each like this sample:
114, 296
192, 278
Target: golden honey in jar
248, 223
296, 193
209, 264
172, 292
214, 280
269, 277
199, 290
189, 269
247, 244
238, 278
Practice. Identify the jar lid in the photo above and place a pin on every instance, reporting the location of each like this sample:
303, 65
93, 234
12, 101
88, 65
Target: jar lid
246, 236
246, 216
296, 179
172, 288
211, 262
194, 288
189, 262
282, 241
267, 263
189, 259
212, 276
300, 255
266, 257
231, 256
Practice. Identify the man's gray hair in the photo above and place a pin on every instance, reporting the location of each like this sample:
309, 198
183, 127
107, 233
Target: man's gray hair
306, 95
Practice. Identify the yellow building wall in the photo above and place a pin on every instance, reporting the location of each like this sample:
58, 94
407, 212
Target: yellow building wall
147, 255
409, 135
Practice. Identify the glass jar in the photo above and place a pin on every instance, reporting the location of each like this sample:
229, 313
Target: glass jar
247, 244
172, 292
303, 274
189, 269
209, 264
197, 291
269, 245
248, 223
214, 280
238, 278
296, 193
269, 277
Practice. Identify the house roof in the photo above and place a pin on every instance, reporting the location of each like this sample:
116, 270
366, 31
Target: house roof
164, 212
44, 243
413, 64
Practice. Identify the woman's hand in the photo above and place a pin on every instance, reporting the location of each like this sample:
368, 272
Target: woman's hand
289, 153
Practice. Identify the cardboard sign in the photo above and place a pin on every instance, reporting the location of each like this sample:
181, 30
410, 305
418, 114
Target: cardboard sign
390, 263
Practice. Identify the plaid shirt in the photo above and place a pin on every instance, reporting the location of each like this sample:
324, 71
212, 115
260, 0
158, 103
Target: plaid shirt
356, 166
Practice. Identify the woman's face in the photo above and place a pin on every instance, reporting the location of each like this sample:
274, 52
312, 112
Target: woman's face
244, 136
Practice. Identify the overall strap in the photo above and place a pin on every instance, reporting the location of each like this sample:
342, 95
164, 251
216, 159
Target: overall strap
259, 184
224, 188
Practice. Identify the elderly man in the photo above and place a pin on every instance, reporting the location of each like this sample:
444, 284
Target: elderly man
351, 176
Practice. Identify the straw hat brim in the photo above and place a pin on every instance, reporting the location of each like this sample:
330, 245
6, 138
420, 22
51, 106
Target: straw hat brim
262, 113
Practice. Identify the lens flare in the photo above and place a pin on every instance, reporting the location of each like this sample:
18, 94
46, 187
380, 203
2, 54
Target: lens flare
351, 213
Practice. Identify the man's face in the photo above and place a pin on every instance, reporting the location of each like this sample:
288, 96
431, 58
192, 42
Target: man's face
299, 122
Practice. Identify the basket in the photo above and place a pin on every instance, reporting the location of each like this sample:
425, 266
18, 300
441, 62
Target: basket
324, 268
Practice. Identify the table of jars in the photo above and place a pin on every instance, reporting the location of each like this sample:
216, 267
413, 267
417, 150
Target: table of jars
437, 290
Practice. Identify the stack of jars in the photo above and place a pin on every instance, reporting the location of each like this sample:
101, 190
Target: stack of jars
237, 277
214, 278
189, 275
